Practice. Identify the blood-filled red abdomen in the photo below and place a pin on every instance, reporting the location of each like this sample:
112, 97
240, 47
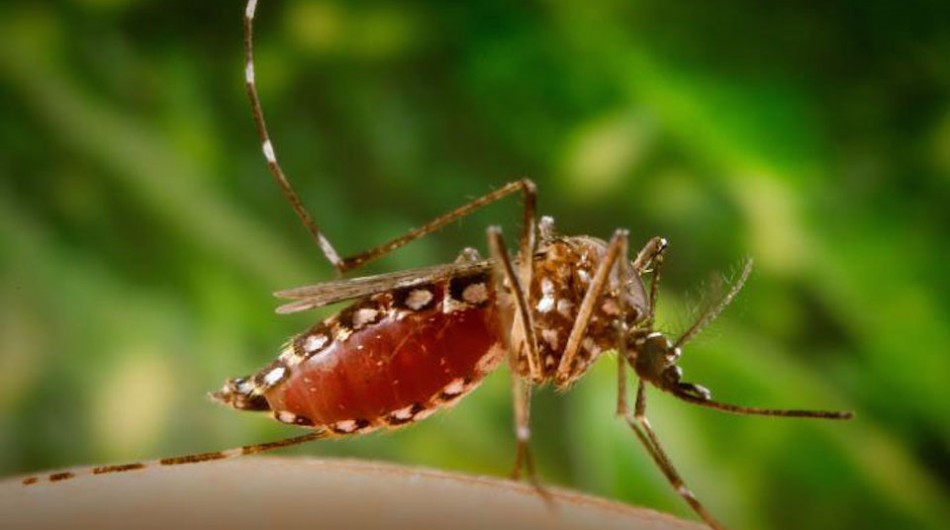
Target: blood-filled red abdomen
392, 358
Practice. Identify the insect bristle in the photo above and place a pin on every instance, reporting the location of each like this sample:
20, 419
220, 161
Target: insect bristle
711, 307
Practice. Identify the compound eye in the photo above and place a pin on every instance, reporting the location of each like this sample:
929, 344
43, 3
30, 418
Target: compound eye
656, 345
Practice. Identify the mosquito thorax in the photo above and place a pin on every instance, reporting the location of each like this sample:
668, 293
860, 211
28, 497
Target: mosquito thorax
563, 270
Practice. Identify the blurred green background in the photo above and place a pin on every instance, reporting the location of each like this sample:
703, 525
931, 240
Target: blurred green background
141, 236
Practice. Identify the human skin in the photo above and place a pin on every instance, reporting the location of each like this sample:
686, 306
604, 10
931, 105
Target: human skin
309, 493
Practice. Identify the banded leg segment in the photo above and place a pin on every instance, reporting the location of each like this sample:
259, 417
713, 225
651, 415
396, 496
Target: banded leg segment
526, 187
520, 388
179, 460
523, 324
652, 251
268, 147
651, 257
641, 427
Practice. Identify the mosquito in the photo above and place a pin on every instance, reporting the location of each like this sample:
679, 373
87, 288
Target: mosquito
417, 341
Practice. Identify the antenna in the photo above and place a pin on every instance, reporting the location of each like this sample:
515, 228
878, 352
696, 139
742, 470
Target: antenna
714, 311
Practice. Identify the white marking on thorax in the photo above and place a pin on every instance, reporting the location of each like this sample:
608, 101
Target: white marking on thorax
610, 307
547, 299
550, 336
583, 275
545, 304
564, 307
590, 346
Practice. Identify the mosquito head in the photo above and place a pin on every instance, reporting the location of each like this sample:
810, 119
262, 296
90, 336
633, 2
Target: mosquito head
654, 356
655, 361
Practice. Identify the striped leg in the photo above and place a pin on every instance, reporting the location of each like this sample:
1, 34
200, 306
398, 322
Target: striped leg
523, 325
268, 147
644, 431
651, 257
526, 187
179, 460
521, 388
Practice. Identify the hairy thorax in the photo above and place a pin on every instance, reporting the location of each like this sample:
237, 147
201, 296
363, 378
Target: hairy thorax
564, 268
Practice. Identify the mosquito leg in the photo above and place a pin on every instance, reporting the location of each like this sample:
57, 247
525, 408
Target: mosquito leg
520, 388
521, 391
655, 288
651, 257
527, 189
641, 427
179, 460
616, 248
268, 147
622, 330
526, 265
654, 248
523, 327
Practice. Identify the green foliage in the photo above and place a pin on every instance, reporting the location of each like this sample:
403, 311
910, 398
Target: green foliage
140, 235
